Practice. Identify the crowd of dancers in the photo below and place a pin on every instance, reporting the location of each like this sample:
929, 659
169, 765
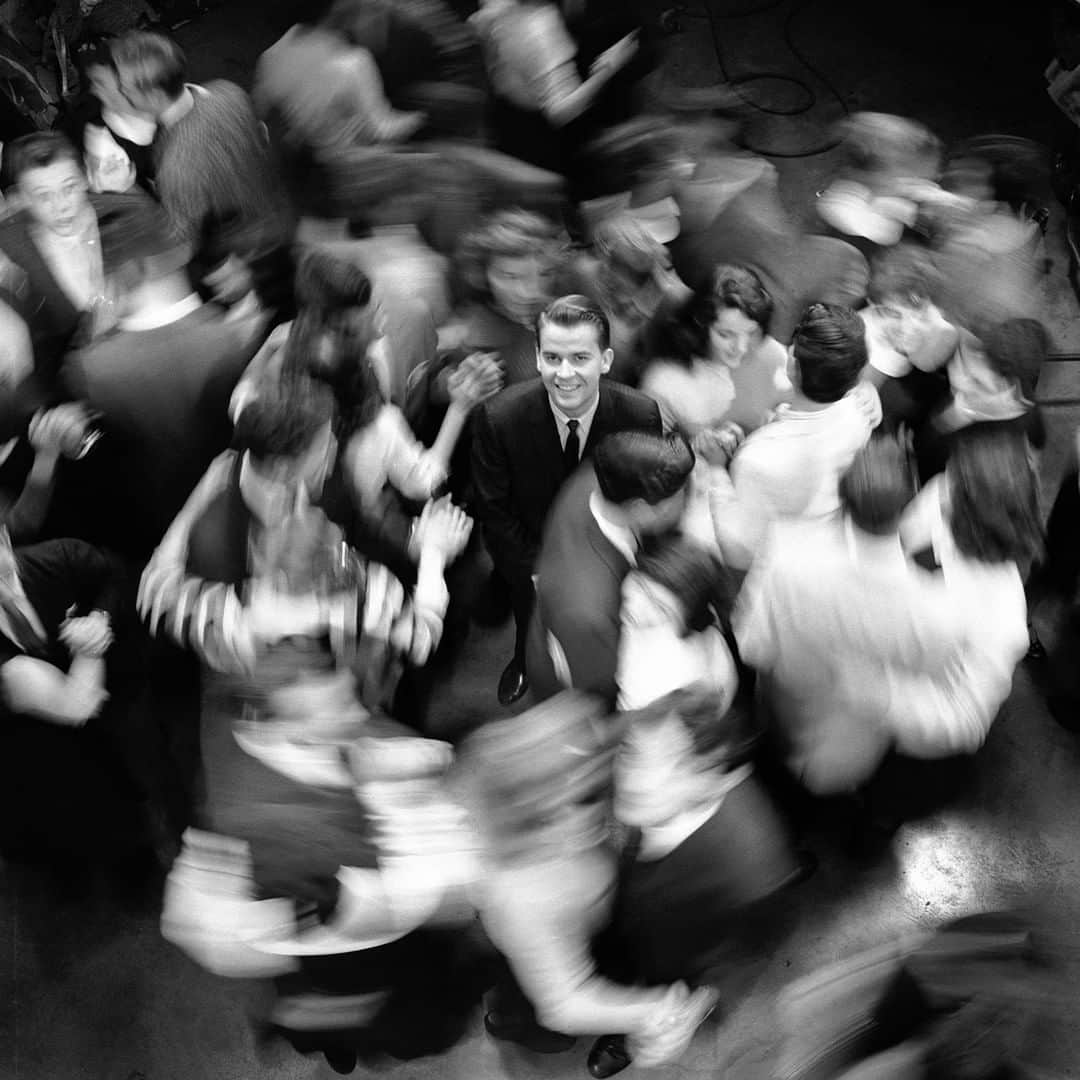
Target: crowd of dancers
453, 321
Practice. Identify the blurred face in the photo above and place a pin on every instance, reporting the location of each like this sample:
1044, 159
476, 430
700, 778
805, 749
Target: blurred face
521, 286
905, 322
733, 336
150, 103
570, 362
647, 603
104, 84
632, 294
55, 195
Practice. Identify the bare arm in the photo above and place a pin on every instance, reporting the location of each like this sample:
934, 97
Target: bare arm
36, 688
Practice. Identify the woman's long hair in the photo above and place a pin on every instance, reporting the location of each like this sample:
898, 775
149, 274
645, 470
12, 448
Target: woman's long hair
994, 499
331, 336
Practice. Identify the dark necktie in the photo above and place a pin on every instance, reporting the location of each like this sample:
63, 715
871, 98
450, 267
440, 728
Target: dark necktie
572, 449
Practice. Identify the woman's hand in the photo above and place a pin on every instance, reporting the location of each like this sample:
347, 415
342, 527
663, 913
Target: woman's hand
87, 635
717, 446
475, 379
442, 529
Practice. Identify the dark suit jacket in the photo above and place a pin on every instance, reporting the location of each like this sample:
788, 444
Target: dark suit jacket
518, 465
578, 599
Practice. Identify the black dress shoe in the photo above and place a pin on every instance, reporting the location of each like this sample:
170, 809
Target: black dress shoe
528, 1034
608, 1056
513, 683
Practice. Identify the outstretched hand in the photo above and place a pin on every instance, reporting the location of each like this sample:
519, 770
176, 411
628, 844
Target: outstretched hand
475, 379
443, 528
717, 445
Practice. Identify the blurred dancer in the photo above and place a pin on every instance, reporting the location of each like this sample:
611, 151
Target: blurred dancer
909, 340
56, 241
540, 782
635, 490
70, 799
789, 469
538, 94
160, 383
116, 139
214, 172
707, 851
715, 360
675, 630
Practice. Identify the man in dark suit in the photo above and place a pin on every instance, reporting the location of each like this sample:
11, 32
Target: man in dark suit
635, 490
529, 439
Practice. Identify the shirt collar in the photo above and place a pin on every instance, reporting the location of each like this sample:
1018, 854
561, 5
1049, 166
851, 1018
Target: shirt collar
622, 539
584, 421
158, 317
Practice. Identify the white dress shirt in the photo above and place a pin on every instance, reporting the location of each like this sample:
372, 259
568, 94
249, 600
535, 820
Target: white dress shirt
562, 422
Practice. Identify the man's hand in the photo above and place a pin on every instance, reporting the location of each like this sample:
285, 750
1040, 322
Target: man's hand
442, 528
87, 635
60, 430
717, 446
475, 379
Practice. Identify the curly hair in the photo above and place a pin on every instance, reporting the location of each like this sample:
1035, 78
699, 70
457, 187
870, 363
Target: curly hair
684, 337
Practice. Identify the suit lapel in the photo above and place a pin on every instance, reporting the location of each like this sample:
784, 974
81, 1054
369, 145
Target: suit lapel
546, 443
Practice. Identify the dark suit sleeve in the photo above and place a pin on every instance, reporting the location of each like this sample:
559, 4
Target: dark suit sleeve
512, 549
589, 644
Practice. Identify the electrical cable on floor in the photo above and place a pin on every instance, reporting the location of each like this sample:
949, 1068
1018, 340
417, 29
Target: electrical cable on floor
713, 17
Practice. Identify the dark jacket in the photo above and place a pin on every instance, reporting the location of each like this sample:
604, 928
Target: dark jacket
578, 599
518, 464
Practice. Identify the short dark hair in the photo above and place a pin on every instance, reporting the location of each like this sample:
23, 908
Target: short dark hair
328, 282
994, 500
573, 311
283, 420
877, 486
154, 61
640, 465
829, 346
691, 573
904, 273
1016, 349
37, 151
685, 334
